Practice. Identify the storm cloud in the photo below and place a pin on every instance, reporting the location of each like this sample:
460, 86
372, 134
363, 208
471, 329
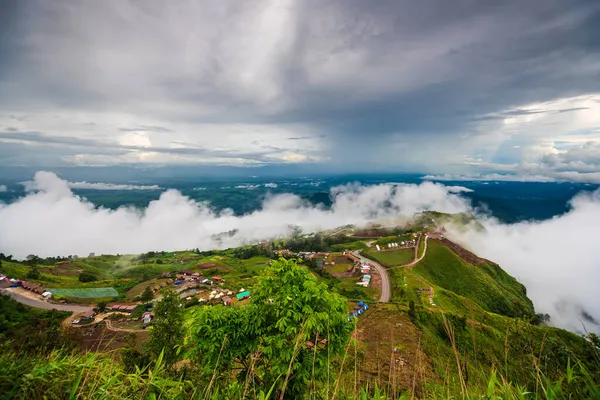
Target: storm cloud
433, 86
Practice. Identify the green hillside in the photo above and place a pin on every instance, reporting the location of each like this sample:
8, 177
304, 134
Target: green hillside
457, 326
485, 283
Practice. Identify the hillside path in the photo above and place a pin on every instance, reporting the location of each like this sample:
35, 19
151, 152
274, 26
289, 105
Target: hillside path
417, 259
115, 329
28, 301
385, 279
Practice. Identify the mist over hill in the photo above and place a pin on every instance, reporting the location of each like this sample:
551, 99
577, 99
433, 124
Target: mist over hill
558, 268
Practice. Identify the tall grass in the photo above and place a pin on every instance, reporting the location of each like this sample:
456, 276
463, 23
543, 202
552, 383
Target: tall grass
62, 375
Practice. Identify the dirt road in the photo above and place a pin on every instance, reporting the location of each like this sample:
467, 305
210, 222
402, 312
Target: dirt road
417, 259
115, 329
385, 279
28, 301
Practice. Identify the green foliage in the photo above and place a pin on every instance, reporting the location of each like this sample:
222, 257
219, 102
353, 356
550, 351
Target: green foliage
34, 273
391, 258
486, 284
267, 338
29, 330
87, 277
100, 307
147, 294
85, 293
168, 331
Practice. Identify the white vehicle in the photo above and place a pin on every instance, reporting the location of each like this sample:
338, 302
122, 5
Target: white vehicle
75, 321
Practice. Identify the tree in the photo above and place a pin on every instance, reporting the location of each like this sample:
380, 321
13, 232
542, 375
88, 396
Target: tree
270, 336
168, 330
147, 294
594, 339
34, 273
100, 307
87, 277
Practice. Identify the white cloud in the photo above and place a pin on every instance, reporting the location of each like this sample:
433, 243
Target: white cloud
176, 222
3, 188
110, 186
556, 259
271, 185
249, 187
489, 177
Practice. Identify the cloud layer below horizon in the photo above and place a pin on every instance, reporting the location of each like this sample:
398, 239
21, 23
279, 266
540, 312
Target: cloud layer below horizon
556, 259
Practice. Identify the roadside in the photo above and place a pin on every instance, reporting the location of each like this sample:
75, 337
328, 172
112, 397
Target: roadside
417, 259
385, 279
29, 300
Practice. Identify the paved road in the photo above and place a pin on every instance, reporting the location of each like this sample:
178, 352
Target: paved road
417, 259
42, 304
385, 279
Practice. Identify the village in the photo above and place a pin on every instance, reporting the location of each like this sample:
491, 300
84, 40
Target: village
359, 275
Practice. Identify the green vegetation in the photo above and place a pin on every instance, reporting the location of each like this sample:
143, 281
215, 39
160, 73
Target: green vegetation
486, 283
85, 293
167, 329
461, 326
87, 277
421, 249
391, 258
288, 309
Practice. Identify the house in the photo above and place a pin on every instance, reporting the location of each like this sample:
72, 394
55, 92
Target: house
227, 301
243, 295
122, 308
87, 316
147, 317
217, 279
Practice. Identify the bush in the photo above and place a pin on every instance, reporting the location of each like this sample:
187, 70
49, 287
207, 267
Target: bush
87, 277
147, 294
33, 273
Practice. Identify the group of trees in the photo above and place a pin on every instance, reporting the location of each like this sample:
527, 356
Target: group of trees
265, 341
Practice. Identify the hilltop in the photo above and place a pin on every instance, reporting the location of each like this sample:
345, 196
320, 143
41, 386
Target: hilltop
452, 322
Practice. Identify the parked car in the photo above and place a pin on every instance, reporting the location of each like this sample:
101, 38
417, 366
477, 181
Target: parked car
75, 321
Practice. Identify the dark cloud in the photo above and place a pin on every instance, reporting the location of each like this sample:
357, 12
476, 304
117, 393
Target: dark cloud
358, 74
104, 147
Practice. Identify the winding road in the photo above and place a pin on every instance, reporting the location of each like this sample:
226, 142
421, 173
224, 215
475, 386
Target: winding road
28, 301
385, 279
417, 259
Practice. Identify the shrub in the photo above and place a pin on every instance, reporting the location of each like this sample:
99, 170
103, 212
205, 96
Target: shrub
87, 277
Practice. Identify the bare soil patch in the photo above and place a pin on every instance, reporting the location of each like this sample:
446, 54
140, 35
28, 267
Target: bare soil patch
390, 351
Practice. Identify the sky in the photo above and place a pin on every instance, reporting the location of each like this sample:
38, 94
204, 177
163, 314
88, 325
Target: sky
556, 259
456, 90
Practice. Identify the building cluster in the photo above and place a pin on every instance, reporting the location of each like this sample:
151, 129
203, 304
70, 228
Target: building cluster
401, 245
358, 310
122, 308
218, 296
188, 276
365, 270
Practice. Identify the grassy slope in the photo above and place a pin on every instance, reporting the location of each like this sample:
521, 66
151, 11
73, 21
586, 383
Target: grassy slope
391, 258
464, 296
486, 284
